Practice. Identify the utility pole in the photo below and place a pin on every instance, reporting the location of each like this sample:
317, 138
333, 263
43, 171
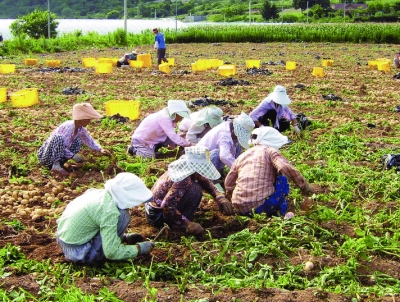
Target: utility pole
155, 13
282, 11
176, 15
344, 10
307, 11
249, 11
125, 20
48, 20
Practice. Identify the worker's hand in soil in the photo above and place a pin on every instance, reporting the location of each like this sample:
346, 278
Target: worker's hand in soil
307, 204
78, 158
105, 152
132, 238
296, 130
225, 206
228, 195
307, 190
194, 228
146, 247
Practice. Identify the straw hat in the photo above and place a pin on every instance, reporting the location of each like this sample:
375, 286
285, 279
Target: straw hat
178, 107
279, 96
195, 159
268, 136
242, 126
210, 115
84, 111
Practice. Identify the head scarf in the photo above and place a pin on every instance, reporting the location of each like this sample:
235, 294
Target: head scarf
84, 111
242, 126
278, 96
269, 136
210, 115
196, 159
178, 107
127, 190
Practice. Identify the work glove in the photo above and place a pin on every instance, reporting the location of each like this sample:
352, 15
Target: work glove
225, 206
146, 247
307, 190
105, 152
78, 158
296, 129
132, 238
194, 228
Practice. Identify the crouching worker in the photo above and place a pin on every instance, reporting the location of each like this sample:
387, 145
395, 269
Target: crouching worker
126, 58
258, 179
158, 130
178, 192
91, 229
66, 140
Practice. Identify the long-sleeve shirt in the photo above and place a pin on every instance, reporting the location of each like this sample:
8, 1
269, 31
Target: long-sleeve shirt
160, 40
253, 174
168, 193
90, 213
281, 111
155, 129
192, 132
66, 130
220, 137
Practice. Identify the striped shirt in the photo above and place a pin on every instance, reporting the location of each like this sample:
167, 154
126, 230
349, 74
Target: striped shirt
220, 137
156, 128
88, 214
252, 177
66, 130
281, 111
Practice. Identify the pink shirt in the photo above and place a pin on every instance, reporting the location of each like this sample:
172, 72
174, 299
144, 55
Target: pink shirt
156, 128
66, 130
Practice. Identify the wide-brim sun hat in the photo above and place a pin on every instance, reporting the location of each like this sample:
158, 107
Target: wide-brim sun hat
195, 159
242, 126
279, 96
178, 107
268, 136
84, 111
210, 115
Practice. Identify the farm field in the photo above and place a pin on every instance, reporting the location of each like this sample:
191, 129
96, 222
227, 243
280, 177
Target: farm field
351, 234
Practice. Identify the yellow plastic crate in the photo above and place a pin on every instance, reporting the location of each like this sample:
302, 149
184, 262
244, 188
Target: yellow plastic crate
114, 61
53, 63
7, 68
384, 66
89, 62
227, 70
128, 109
164, 68
3, 95
373, 64
215, 63
194, 66
327, 63
30, 61
171, 61
145, 58
103, 68
203, 64
318, 72
25, 97
136, 64
253, 64
290, 65
104, 60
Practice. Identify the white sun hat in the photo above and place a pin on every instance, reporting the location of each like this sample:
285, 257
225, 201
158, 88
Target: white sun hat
242, 126
178, 107
210, 115
128, 190
279, 96
195, 159
268, 136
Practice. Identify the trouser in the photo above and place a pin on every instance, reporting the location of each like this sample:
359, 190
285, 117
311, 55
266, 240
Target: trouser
269, 119
277, 202
92, 251
54, 151
161, 55
187, 206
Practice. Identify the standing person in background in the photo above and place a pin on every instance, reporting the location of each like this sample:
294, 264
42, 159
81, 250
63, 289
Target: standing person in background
274, 111
396, 60
160, 46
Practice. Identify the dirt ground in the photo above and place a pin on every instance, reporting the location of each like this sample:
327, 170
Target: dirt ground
22, 130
